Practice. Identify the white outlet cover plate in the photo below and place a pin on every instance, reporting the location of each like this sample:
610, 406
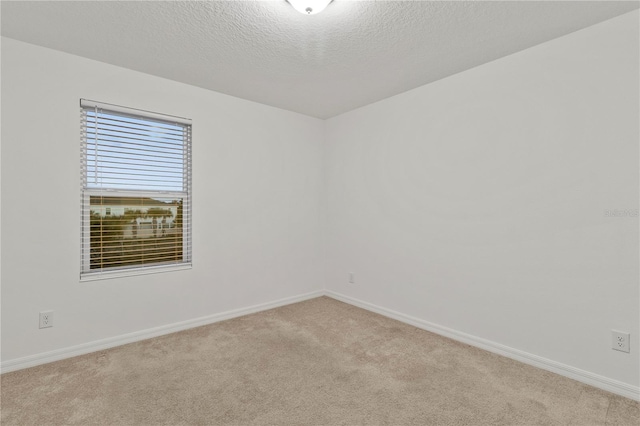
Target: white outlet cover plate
46, 319
620, 341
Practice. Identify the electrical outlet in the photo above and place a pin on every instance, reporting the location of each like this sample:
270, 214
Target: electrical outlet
46, 319
352, 278
620, 341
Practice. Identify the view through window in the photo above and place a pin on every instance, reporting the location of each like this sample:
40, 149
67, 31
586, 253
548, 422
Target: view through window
129, 231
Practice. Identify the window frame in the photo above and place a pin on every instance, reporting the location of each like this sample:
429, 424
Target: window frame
88, 274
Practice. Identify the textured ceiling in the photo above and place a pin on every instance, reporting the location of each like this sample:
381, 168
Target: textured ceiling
352, 54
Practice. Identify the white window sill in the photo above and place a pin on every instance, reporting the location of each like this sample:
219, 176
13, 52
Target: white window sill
121, 273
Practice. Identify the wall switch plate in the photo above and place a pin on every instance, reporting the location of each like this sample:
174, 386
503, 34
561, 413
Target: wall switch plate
352, 278
620, 341
46, 319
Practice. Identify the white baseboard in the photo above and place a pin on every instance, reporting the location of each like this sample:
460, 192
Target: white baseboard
595, 380
99, 345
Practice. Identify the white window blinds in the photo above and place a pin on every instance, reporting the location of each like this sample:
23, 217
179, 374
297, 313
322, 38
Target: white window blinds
136, 191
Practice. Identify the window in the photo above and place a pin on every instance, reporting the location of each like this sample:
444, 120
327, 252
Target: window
136, 191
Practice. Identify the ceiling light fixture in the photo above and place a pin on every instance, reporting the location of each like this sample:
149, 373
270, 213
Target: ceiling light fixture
309, 7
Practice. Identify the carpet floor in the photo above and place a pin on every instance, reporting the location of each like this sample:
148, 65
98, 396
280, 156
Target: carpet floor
318, 362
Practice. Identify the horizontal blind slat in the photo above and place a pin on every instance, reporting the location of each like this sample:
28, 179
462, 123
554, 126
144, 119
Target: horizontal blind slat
170, 129
128, 138
135, 166
132, 128
106, 140
117, 172
147, 137
134, 157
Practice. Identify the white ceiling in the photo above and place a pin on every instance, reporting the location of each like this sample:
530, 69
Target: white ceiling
352, 54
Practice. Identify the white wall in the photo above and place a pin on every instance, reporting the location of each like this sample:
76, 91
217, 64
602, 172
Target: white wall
256, 173
478, 202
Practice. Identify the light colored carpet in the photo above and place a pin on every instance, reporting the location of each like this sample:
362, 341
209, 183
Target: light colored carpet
319, 362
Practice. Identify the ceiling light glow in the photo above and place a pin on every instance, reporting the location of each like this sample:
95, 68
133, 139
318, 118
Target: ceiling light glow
309, 7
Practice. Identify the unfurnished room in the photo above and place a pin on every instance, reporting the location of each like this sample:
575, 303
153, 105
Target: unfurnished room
320, 212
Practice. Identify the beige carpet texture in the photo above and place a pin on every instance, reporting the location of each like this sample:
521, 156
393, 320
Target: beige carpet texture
318, 362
